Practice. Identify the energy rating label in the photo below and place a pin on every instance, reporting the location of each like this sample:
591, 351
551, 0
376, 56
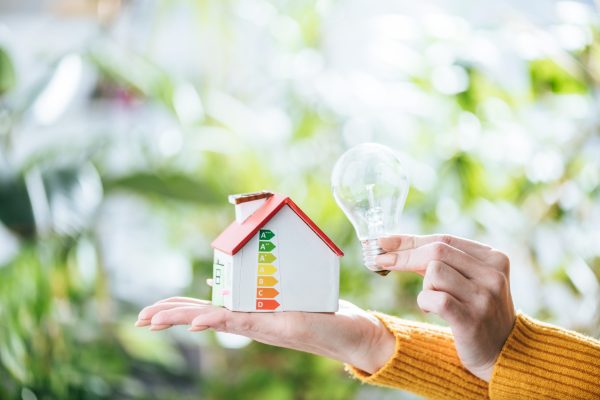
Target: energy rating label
267, 278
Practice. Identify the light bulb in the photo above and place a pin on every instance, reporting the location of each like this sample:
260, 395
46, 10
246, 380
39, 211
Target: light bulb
370, 186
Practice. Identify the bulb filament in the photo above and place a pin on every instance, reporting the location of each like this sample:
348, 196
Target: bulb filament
374, 215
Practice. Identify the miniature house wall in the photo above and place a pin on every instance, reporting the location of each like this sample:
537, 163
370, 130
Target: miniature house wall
285, 263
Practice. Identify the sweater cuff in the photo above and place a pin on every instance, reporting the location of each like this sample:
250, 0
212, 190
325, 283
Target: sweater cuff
539, 360
424, 362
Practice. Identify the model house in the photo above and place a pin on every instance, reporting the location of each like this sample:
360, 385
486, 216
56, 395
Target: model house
274, 258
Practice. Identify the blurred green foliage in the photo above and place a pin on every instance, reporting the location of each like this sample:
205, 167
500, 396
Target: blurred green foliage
67, 330
7, 73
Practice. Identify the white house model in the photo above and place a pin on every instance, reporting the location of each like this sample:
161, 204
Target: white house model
274, 258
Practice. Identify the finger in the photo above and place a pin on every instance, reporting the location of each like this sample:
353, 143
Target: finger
148, 312
263, 327
252, 325
214, 319
198, 328
416, 260
397, 242
443, 304
142, 322
407, 242
179, 316
442, 277
159, 327
180, 299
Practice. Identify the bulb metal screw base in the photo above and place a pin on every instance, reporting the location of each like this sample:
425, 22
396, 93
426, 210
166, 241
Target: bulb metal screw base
370, 251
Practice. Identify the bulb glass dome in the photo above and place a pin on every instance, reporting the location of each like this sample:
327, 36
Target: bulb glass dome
370, 186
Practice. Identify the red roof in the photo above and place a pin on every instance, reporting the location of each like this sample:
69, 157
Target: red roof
232, 239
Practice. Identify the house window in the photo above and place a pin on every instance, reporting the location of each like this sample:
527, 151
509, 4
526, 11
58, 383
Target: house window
217, 276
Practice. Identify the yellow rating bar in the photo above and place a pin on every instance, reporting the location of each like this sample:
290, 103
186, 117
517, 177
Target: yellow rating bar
266, 281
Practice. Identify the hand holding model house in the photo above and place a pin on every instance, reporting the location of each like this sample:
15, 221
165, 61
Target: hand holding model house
265, 260
264, 263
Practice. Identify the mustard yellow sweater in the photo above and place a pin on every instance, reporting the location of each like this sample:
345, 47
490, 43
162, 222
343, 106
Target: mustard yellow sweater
538, 361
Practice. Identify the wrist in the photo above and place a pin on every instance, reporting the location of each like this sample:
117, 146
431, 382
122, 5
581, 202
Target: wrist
378, 348
383, 349
483, 373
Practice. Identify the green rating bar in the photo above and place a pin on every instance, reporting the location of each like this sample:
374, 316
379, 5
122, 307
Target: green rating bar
266, 234
265, 246
266, 258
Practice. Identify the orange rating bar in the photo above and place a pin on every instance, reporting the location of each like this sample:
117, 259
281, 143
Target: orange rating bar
267, 304
266, 281
266, 293
266, 269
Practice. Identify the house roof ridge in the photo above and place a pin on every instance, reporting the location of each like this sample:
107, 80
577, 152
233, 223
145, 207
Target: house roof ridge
314, 226
236, 235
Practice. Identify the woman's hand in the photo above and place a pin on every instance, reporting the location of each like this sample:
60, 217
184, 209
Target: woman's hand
350, 335
467, 284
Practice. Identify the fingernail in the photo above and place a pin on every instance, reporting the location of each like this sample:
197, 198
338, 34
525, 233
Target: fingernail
197, 328
385, 260
142, 322
381, 242
159, 327
389, 242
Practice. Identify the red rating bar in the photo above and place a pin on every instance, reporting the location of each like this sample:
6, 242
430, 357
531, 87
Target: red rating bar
267, 304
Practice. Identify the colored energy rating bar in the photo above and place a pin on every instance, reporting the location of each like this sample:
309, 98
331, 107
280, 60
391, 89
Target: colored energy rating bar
266, 281
266, 269
265, 246
266, 293
266, 304
266, 258
266, 234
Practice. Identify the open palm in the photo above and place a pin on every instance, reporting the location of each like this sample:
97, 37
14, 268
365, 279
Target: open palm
350, 335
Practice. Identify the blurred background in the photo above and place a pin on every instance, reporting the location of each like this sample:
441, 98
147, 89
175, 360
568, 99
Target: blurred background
125, 124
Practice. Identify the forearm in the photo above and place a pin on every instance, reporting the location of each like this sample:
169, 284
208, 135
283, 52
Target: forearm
539, 360
424, 362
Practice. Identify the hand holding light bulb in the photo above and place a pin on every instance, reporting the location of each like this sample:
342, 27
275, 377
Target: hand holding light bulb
465, 282
370, 186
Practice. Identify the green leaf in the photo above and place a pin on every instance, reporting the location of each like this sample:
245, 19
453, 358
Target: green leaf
137, 72
469, 174
15, 207
548, 76
7, 73
145, 346
169, 185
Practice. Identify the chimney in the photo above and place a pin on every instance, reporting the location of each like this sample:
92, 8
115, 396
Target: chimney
247, 203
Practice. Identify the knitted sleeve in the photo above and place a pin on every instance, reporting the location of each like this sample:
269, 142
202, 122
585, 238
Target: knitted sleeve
538, 361
541, 361
425, 362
